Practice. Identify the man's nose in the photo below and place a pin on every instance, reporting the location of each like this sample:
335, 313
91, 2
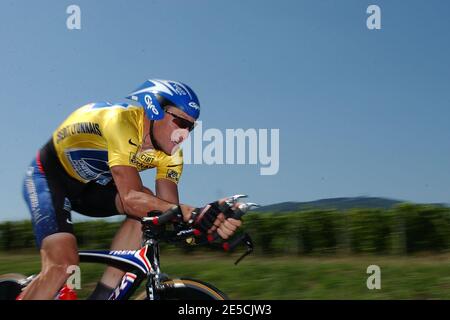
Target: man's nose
180, 135
183, 136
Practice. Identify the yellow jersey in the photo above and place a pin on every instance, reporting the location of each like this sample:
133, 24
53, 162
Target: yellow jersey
101, 135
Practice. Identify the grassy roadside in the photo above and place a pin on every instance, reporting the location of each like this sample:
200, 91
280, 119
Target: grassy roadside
425, 277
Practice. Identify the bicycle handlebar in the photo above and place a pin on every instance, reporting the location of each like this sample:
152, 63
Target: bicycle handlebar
187, 231
160, 218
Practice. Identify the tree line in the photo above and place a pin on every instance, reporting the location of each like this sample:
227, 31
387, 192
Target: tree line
404, 229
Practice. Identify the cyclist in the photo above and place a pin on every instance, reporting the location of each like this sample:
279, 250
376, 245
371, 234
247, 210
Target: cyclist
91, 165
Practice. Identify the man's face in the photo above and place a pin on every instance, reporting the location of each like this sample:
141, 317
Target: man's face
168, 132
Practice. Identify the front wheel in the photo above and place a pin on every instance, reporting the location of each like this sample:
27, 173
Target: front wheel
187, 289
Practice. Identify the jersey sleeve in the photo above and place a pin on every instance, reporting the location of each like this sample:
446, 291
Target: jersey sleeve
171, 167
121, 134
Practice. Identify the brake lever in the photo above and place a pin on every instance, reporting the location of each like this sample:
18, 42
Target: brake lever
249, 244
233, 199
225, 208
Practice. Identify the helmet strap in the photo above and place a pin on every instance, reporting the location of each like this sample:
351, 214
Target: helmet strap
152, 137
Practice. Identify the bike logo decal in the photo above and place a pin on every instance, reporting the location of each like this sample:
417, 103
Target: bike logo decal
142, 255
122, 252
126, 283
131, 257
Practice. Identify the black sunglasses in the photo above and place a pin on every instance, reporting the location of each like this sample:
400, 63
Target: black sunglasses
182, 122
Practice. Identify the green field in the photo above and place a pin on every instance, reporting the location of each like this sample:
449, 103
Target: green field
425, 277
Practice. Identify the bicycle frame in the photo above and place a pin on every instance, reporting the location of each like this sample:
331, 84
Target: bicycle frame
137, 264
140, 265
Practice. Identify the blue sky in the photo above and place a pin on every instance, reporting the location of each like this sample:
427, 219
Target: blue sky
360, 112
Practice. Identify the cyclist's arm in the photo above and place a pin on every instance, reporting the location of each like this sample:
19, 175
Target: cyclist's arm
168, 175
167, 190
135, 201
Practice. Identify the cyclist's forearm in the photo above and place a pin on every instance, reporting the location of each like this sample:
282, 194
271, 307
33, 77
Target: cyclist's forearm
139, 204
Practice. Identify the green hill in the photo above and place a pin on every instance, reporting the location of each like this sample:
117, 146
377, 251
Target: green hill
333, 203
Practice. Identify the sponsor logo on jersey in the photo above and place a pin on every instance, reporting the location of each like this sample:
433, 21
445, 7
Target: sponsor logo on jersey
172, 174
90, 164
132, 143
142, 160
78, 128
132, 159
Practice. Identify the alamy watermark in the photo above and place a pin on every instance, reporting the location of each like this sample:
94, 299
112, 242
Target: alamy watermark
73, 21
74, 280
374, 280
373, 22
234, 146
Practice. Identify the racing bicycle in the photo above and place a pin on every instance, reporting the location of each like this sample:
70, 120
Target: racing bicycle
144, 264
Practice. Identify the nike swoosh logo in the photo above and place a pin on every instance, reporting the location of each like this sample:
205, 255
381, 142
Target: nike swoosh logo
132, 143
69, 222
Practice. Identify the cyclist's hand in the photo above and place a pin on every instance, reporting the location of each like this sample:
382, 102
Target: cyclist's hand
225, 227
210, 219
